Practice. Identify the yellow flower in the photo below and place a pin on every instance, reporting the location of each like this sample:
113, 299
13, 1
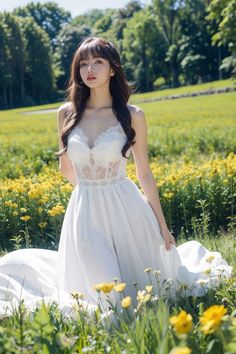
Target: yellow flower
168, 195
23, 210
40, 210
207, 271
105, 287
119, 287
142, 296
181, 350
211, 318
34, 193
210, 259
149, 288
147, 270
42, 224
25, 218
15, 213
182, 323
126, 302
56, 210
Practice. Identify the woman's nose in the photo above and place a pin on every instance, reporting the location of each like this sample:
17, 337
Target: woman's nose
90, 68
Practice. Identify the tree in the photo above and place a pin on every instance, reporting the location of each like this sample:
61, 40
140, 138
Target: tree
68, 41
144, 49
167, 12
39, 76
14, 42
5, 73
49, 16
223, 12
198, 58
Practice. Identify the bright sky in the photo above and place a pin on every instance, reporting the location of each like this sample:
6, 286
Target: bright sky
76, 7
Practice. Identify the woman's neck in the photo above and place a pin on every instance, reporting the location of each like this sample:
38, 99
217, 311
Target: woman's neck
99, 99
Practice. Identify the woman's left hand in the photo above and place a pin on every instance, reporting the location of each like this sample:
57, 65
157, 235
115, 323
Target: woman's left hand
169, 239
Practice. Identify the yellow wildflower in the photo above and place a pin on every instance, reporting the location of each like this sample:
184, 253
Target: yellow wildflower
15, 213
182, 323
105, 287
181, 350
56, 210
210, 259
119, 287
142, 296
168, 195
149, 288
23, 210
207, 271
42, 224
211, 318
25, 218
126, 302
34, 193
40, 210
147, 270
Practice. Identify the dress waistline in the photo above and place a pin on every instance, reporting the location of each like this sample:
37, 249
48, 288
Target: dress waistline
100, 182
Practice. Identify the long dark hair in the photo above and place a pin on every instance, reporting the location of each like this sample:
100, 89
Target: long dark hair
78, 92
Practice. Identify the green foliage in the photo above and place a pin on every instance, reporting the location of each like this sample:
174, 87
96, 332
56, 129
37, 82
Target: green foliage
146, 329
224, 13
143, 43
48, 16
68, 41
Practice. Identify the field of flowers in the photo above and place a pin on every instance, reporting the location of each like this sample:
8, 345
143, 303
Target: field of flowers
191, 145
192, 151
197, 200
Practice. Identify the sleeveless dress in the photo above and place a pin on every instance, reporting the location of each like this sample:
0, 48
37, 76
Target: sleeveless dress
109, 230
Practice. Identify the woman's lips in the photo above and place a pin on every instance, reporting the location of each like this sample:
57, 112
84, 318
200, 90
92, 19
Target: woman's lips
91, 78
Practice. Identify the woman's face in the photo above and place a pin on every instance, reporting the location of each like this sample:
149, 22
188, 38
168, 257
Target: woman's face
95, 71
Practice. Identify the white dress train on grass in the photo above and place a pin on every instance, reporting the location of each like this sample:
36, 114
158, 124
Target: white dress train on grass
109, 230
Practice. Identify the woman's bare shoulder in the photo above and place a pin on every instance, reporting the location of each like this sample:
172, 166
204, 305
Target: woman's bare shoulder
64, 107
63, 111
137, 113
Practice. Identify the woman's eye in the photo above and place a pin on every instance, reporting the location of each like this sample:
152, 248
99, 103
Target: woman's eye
82, 65
98, 61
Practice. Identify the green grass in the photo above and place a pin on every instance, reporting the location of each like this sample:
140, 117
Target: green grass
183, 90
47, 330
189, 128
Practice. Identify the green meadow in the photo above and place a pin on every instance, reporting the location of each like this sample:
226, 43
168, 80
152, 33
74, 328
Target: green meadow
192, 152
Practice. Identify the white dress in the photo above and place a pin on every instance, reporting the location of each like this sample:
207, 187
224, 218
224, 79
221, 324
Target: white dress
109, 230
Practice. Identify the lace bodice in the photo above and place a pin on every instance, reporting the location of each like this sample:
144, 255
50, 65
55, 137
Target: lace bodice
103, 162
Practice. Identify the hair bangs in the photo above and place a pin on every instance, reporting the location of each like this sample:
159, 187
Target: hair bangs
95, 49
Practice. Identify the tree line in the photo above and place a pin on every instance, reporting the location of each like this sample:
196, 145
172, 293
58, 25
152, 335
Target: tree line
165, 44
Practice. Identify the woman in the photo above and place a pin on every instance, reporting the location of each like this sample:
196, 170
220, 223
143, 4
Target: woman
110, 228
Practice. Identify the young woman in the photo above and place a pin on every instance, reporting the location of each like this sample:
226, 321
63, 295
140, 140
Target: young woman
111, 228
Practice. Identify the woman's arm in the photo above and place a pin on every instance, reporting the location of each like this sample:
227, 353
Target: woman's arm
65, 165
144, 173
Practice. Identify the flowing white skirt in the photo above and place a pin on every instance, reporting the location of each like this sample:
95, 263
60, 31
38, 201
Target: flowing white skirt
108, 231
